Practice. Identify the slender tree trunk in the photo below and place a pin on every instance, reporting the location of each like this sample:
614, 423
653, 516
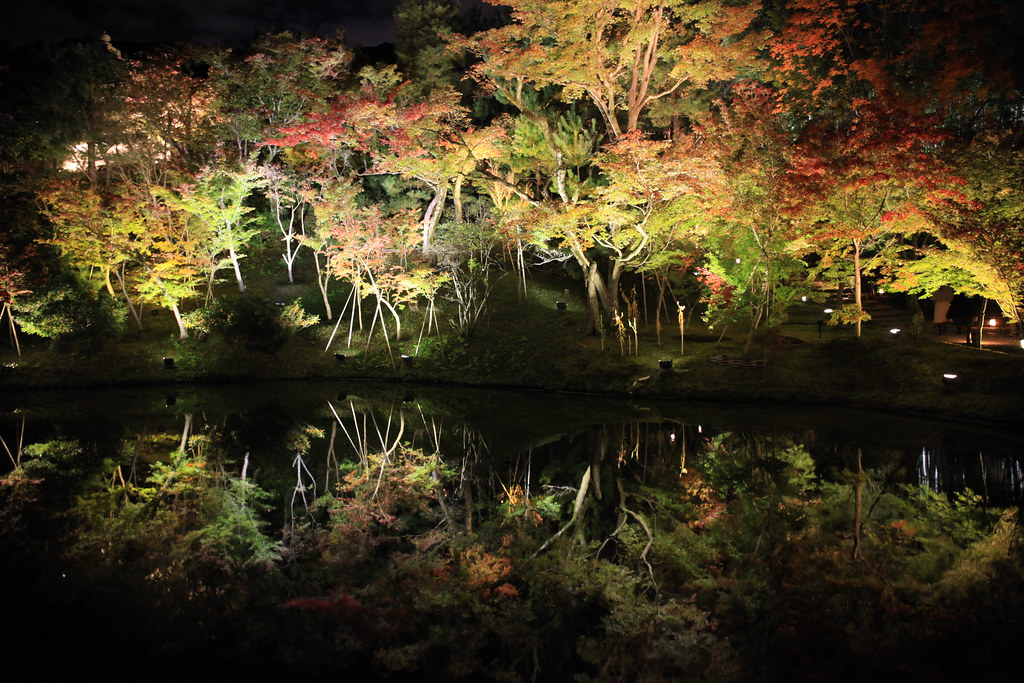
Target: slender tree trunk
238, 270
185, 431
595, 316
11, 326
136, 311
613, 286
457, 198
182, 330
981, 322
857, 295
322, 280
858, 507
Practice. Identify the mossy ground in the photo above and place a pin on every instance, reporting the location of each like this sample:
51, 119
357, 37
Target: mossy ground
525, 341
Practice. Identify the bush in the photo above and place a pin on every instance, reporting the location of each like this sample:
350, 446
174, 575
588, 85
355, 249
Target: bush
251, 320
69, 314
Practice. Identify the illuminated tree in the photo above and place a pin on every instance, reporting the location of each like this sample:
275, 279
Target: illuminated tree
752, 254
217, 201
97, 233
980, 248
404, 137
172, 256
622, 55
285, 191
881, 181
166, 122
279, 80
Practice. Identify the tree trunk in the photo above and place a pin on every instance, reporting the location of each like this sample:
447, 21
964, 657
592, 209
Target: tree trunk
432, 217
857, 295
595, 314
182, 330
238, 270
981, 322
135, 310
457, 198
613, 287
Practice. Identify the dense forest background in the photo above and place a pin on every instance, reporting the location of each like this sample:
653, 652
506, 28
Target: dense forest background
745, 154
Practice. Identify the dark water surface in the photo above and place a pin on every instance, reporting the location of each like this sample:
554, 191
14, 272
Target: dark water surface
944, 455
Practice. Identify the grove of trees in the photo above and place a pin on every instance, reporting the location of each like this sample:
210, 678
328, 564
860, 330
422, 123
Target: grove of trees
755, 151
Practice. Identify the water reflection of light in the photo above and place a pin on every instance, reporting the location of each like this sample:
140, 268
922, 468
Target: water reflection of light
928, 471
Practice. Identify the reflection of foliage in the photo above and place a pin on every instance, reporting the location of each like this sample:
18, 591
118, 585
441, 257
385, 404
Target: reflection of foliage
400, 568
18, 490
188, 510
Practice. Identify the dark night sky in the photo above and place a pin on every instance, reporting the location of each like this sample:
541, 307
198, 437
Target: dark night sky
226, 22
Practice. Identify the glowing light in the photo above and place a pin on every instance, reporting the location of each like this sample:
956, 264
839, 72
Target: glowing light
949, 375
828, 311
992, 322
1022, 343
737, 260
803, 298
881, 291
672, 438
895, 331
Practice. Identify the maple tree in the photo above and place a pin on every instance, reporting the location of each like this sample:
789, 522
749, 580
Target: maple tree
217, 201
275, 83
284, 189
752, 254
881, 181
166, 121
172, 255
399, 136
843, 70
979, 248
97, 232
363, 246
622, 55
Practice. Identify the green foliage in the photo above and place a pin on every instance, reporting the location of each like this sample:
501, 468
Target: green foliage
69, 313
188, 511
251, 320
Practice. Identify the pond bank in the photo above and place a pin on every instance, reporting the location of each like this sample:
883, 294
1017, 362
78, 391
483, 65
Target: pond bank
908, 376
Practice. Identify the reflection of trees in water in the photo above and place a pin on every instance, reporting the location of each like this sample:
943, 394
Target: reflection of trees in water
629, 549
998, 478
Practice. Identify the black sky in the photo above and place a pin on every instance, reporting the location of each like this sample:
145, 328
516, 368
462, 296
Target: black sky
223, 22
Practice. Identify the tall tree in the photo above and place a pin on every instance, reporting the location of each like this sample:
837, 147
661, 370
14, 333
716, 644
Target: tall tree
397, 133
217, 200
167, 121
278, 81
421, 50
622, 55
754, 248
97, 232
